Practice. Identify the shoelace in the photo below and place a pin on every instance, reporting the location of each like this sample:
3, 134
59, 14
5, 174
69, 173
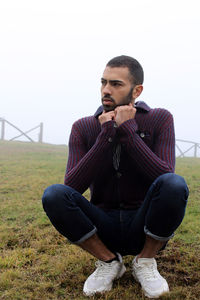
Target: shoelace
102, 269
148, 272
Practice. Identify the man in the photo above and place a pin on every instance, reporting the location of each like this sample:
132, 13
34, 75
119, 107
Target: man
125, 153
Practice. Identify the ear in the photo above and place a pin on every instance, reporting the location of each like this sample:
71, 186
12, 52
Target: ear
137, 91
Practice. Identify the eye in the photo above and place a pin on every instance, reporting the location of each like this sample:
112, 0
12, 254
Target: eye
103, 82
116, 83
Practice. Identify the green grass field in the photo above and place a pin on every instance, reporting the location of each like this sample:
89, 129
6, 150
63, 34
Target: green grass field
38, 263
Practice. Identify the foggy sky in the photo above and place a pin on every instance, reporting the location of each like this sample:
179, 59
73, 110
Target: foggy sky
53, 53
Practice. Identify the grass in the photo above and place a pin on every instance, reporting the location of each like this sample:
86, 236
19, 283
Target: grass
38, 263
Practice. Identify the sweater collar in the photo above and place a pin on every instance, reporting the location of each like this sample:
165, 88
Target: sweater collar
140, 105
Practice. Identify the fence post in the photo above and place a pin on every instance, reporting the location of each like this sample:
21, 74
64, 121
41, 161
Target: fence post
41, 133
2, 129
195, 149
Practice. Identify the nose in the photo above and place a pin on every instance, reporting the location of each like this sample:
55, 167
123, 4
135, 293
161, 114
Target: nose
106, 90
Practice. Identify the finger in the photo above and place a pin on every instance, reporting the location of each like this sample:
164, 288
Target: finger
111, 113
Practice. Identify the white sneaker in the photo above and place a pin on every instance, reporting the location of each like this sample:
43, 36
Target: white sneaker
101, 280
146, 273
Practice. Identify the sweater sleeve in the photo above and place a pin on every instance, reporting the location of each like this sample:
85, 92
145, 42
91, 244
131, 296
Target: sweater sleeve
151, 163
82, 164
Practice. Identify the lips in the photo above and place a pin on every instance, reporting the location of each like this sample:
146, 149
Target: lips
107, 100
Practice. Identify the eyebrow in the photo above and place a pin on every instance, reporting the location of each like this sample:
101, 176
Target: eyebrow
112, 81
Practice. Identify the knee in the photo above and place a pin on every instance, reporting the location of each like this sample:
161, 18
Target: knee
50, 195
53, 195
174, 186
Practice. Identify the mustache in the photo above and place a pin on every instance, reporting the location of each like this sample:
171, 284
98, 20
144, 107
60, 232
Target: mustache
106, 97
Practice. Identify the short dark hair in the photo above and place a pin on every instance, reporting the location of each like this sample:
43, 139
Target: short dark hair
135, 68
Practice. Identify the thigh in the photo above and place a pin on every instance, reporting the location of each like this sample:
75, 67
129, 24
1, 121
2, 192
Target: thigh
159, 213
67, 209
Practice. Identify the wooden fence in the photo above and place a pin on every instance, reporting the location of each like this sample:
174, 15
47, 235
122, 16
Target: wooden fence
22, 133
193, 146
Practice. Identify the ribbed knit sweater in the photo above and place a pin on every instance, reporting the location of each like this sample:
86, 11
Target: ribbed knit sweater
147, 151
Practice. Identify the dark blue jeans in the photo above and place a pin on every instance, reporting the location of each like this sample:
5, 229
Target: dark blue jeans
122, 231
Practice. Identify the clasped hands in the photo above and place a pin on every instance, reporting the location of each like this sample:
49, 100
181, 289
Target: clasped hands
119, 115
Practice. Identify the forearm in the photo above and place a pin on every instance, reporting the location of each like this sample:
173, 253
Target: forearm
151, 163
82, 168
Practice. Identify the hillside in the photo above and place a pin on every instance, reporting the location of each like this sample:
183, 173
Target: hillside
37, 263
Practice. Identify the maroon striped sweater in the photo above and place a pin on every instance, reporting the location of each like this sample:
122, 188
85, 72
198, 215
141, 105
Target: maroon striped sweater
147, 151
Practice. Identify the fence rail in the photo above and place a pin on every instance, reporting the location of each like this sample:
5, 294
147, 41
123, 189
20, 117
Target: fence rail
22, 133
195, 146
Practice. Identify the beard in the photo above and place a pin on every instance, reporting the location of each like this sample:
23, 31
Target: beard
124, 101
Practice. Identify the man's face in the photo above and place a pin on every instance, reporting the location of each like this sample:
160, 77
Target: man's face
116, 88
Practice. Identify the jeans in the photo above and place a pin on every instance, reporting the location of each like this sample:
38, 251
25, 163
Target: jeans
122, 231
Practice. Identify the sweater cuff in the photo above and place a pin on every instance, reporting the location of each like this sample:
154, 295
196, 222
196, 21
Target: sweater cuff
108, 131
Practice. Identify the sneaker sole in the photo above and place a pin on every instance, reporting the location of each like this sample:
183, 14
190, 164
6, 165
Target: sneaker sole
157, 296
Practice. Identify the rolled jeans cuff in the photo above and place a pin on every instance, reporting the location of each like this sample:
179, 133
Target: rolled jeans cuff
85, 237
156, 237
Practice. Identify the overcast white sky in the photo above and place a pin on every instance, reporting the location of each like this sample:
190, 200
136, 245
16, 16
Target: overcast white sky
53, 53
